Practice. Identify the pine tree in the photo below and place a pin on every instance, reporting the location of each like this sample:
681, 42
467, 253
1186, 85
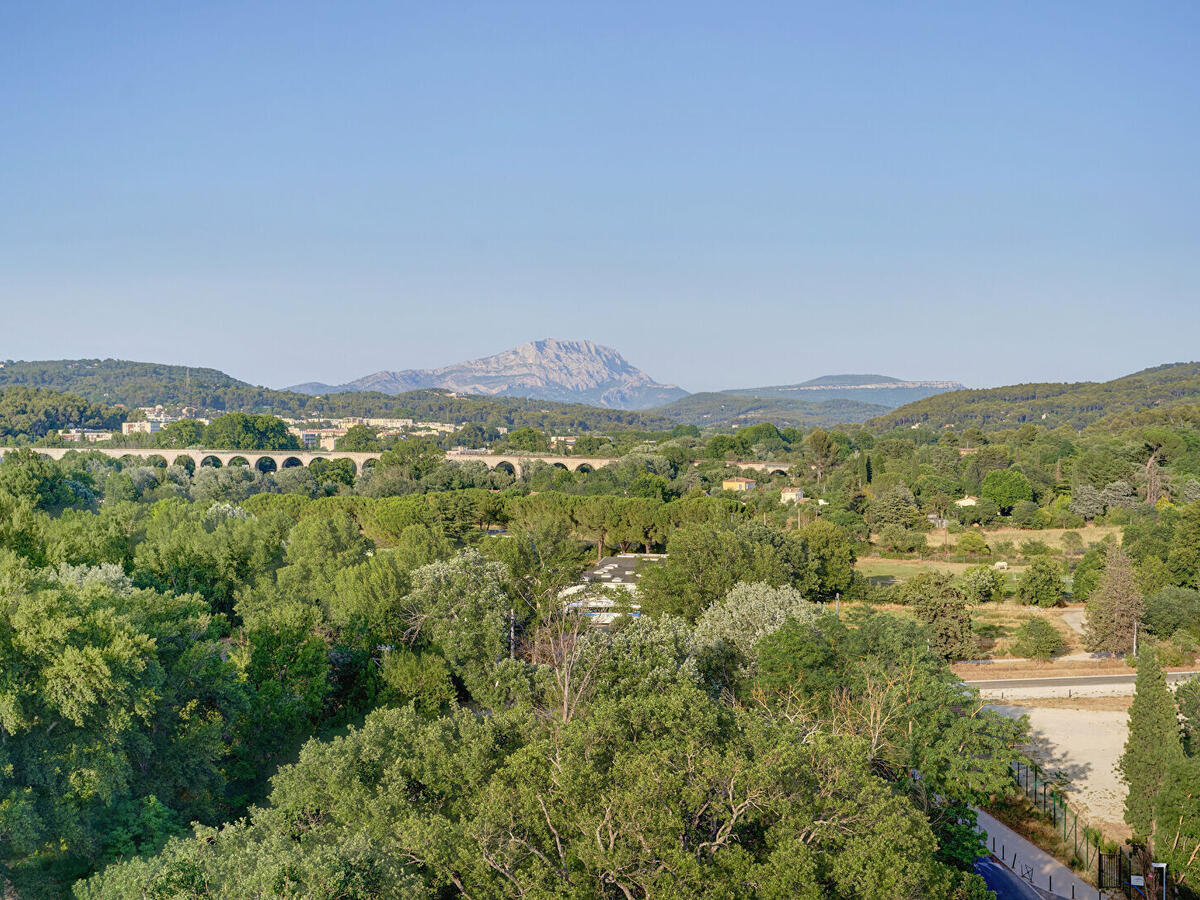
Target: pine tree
1115, 607
1152, 746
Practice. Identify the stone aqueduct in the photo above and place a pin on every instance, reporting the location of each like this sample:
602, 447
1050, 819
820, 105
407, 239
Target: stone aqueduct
273, 460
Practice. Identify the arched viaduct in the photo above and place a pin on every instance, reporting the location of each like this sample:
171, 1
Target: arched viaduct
274, 460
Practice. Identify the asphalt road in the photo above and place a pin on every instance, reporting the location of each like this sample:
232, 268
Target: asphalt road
1006, 885
1068, 681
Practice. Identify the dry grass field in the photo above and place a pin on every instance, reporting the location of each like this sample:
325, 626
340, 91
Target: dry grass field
891, 571
1091, 534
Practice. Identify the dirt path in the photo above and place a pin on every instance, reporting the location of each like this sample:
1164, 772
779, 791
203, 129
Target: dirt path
1075, 618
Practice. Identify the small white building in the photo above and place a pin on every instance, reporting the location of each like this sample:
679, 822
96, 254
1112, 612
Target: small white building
791, 495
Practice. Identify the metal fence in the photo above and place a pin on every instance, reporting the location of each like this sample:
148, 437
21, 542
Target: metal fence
1125, 872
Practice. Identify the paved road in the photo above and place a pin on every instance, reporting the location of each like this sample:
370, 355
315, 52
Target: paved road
1006, 885
1069, 681
1032, 864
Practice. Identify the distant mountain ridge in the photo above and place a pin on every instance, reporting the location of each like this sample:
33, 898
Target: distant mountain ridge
551, 369
876, 390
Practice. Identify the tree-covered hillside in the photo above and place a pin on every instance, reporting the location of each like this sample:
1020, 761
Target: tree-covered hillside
133, 384
1076, 405
35, 412
723, 409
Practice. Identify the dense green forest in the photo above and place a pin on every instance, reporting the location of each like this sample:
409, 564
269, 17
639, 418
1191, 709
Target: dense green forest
441, 723
1075, 405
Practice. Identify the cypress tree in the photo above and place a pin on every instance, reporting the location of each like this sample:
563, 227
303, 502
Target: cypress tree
1152, 746
1115, 607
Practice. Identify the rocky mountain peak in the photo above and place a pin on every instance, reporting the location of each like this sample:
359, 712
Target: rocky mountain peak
578, 371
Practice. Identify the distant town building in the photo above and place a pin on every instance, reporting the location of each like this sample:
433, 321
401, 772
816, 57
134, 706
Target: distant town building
966, 501
79, 435
376, 423
318, 438
791, 495
738, 484
619, 572
145, 427
436, 427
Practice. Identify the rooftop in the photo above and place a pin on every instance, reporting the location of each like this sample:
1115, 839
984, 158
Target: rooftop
619, 569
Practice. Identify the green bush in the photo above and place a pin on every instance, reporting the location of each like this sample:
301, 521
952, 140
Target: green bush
1041, 584
1037, 639
981, 584
1170, 609
897, 539
1180, 650
1072, 542
1026, 515
972, 542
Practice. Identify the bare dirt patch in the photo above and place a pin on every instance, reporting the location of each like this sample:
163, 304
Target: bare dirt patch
1000, 668
1080, 741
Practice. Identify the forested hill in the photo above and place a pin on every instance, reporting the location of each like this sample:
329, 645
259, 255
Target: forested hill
1152, 392
724, 409
36, 412
870, 390
132, 384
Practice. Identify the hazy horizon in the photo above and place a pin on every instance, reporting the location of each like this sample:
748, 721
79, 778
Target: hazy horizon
656, 376
727, 197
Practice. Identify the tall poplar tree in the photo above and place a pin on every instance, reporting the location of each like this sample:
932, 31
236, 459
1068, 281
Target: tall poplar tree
1115, 607
1152, 746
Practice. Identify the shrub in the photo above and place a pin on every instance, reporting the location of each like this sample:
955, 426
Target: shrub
1037, 639
1171, 609
1026, 515
1087, 572
1072, 542
1180, 650
981, 584
972, 542
897, 539
1041, 584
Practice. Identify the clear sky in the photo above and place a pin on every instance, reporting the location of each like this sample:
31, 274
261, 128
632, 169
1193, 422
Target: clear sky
731, 194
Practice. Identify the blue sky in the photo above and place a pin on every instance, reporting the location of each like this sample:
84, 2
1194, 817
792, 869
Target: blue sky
730, 194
